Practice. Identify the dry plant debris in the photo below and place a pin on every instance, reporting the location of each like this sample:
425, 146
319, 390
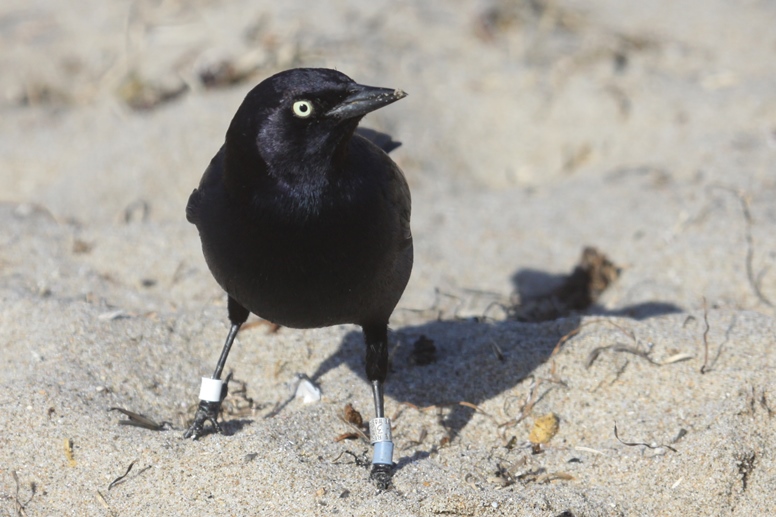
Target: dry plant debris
142, 95
638, 444
355, 421
69, 452
544, 429
360, 460
19, 507
591, 358
237, 403
581, 289
138, 420
352, 416
527, 407
706, 328
423, 351
754, 279
229, 71
121, 477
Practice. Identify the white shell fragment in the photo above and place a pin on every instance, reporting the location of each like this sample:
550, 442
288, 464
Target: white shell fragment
307, 391
112, 315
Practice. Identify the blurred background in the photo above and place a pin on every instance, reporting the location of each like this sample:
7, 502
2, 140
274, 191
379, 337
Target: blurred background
533, 127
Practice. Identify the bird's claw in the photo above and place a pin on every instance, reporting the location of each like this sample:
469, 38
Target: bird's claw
206, 412
381, 475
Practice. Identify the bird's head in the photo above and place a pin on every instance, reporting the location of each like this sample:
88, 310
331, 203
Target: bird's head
299, 121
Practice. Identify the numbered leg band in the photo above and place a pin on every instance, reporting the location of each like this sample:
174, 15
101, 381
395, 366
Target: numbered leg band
380, 436
210, 390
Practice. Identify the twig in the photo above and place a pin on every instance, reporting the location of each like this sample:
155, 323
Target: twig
577, 330
566, 337
705, 338
588, 449
497, 350
619, 347
619, 372
498, 304
357, 433
101, 499
552, 476
361, 461
765, 405
677, 358
120, 478
750, 251
138, 420
751, 277
478, 410
529, 404
636, 444
18, 506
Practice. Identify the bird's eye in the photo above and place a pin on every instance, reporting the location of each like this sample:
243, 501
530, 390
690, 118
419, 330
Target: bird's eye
303, 109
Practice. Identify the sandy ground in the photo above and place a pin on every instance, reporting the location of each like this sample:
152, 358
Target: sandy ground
532, 130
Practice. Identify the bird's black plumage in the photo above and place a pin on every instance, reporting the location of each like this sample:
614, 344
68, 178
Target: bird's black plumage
302, 221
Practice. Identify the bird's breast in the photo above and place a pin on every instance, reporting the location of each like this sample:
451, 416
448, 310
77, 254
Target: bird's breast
297, 266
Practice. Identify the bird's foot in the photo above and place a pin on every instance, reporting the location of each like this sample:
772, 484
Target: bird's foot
381, 475
206, 412
211, 393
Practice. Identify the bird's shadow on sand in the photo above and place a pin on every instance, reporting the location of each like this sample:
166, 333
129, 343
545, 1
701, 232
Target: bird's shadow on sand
475, 360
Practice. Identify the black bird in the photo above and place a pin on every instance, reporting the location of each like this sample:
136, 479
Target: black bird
306, 223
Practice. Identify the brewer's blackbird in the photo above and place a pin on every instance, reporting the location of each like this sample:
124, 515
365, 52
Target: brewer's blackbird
307, 224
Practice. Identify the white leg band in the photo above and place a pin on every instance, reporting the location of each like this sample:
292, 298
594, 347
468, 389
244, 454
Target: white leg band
210, 390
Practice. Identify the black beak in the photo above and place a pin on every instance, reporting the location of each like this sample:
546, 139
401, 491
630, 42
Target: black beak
363, 99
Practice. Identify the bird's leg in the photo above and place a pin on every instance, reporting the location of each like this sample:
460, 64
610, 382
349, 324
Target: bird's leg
376, 337
211, 393
213, 390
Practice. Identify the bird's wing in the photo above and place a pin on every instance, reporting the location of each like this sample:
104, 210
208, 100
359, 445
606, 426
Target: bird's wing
400, 196
395, 185
213, 173
192, 207
382, 140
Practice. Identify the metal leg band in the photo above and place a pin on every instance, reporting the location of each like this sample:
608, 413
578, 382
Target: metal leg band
380, 436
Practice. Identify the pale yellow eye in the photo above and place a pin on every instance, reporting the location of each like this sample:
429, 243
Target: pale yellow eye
303, 109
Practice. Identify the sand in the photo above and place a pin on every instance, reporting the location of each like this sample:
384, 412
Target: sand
532, 130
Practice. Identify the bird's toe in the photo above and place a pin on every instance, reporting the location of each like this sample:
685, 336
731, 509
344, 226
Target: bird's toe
381, 475
206, 412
